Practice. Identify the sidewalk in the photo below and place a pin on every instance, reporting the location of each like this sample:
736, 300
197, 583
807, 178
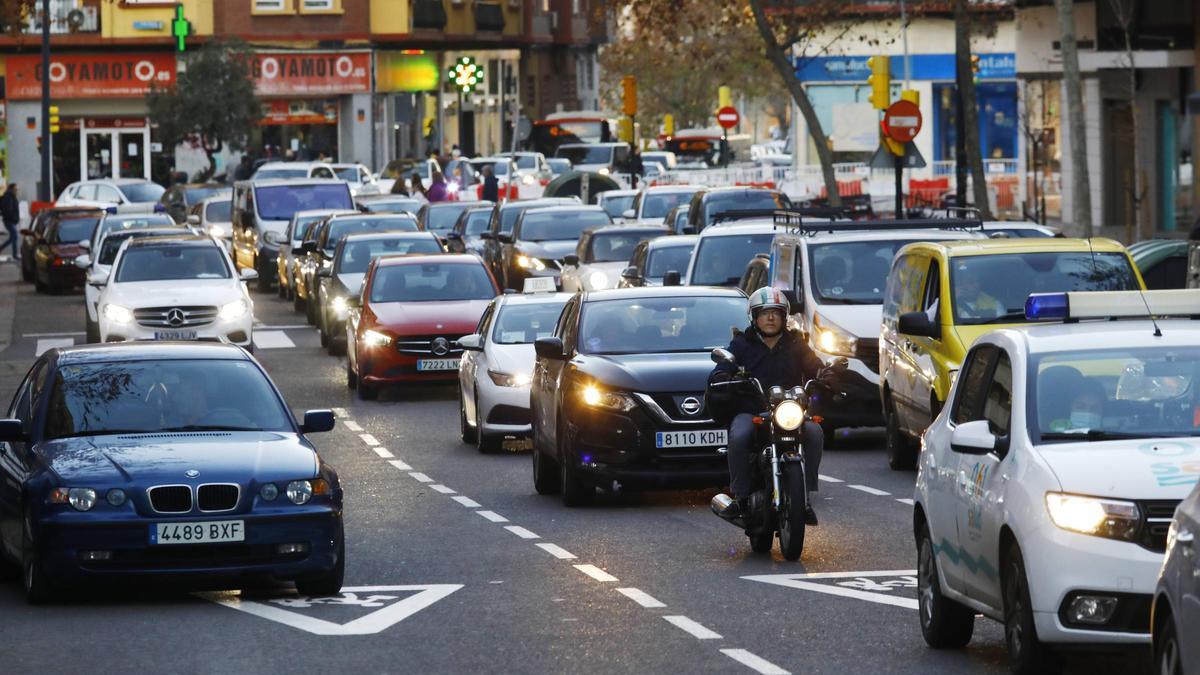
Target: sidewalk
10, 282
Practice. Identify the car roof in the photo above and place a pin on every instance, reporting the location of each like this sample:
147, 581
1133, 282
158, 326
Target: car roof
322, 212
142, 233
617, 193
1052, 337
736, 228
291, 165
424, 258
227, 197
209, 184
358, 215
609, 144
672, 188
1152, 251
734, 189
850, 235
663, 292
542, 202
532, 298
369, 199
346, 165
278, 182
389, 234
147, 351
674, 240
568, 208
116, 181
460, 204
1034, 245
177, 240
630, 227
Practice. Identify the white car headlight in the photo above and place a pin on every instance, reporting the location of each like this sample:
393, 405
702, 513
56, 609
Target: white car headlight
509, 379
376, 339
339, 305
1110, 518
118, 314
603, 171
831, 338
597, 281
789, 415
530, 263
233, 310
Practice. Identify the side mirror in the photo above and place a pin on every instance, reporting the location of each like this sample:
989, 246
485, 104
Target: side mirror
193, 219
487, 235
12, 430
472, 342
973, 438
688, 229
672, 278
797, 303
86, 244
571, 259
629, 214
918, 324
325, 272
549, 348
720, 355
630, 273
83, 261
98, 278
504, 238
248, 274
316, 421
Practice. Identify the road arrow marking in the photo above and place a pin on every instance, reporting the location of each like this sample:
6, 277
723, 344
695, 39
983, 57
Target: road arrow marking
858, 585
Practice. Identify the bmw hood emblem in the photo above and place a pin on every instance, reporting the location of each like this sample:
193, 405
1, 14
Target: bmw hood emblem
191, 473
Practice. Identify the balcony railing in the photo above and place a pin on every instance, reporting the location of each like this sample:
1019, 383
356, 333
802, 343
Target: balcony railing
429, 14
489, 16
66, 16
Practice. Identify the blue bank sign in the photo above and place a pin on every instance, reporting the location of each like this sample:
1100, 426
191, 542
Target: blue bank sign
1002, 66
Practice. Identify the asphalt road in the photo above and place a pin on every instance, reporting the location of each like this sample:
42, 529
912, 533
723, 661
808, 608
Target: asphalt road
456, 565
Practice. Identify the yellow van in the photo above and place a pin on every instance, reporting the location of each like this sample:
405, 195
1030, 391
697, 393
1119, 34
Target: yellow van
940, 297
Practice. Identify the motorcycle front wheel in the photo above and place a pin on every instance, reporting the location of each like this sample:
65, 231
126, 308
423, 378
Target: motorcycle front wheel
793, 503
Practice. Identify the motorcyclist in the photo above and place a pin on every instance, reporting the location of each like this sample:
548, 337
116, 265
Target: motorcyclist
775, 355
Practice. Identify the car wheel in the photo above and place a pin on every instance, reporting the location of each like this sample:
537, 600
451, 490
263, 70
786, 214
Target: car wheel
945, 624
465, 432
545, 469
329, 583
351, 376
1166, 649
484, 443
36, 585
310, 310
92, 330
298, 303
1026, 653
901, 453
264, 278
337, 346
575, 491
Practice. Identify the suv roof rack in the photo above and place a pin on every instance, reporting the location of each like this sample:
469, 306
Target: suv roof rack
794, 223
829, 212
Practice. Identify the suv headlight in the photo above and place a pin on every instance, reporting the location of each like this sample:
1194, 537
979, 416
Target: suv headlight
1109, 518
118, 314
594, 397
831, 338
376, 339
509, 379
789, 415
233, 311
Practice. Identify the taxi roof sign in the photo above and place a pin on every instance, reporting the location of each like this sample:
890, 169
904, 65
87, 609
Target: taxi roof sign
1073, 306
540, 285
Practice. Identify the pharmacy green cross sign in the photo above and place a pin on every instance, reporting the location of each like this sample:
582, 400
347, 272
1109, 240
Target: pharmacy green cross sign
180, 28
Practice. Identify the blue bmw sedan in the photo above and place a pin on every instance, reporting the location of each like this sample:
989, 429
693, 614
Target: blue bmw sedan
165, 460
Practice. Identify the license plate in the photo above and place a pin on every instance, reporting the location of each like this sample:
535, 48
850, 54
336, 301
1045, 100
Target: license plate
690, 439
437, 364
204, 532
175, 335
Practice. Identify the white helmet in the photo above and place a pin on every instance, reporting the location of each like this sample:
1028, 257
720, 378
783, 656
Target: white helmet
767, 298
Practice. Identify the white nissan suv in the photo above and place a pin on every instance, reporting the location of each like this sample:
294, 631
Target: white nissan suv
175, 288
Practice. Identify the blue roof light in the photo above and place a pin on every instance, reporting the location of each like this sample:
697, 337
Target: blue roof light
1047, 307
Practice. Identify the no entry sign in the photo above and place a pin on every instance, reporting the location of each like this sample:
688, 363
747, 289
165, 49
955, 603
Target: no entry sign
728, 117
902, 121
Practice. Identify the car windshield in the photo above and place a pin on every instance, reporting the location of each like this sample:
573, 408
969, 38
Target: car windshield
442, 218
667, 258
142, 192
721, 260
852, 272
526, 161
993, 288
717, 203
1098, 394
349, 174
432, 282
75, 229
303, 223
560, 226
340, 227
477, 222
281, 202
648, 325
559, 165
617, 246
269, 174
521, 324
220, 211
357, 255
112, 243
616, 205
114, 223
657, 204
199, 194
393, 206
130, 397
586, 154
172, 263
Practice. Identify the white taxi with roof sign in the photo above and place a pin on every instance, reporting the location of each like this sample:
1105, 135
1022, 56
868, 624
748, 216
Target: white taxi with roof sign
1046, 487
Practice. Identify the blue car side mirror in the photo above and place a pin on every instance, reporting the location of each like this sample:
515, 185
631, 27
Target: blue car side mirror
315, 421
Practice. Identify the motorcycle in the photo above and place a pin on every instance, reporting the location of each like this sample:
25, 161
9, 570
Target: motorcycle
779, 500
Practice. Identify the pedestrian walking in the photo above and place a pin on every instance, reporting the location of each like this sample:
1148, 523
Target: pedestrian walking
491, 185
10, 212
245, 168
418, 188
437, 189
400, 186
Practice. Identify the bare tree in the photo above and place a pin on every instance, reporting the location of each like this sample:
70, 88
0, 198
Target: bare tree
1124, 11
966, 91
1081, 205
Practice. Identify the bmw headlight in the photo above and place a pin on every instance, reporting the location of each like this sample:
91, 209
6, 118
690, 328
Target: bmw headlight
81, 499
299, 491
595, 397
789, 415
118, 314
509, 379
1109, 518
376, 339
233, 311
116, 497
530, 263
831, 338
597, 281
268, 492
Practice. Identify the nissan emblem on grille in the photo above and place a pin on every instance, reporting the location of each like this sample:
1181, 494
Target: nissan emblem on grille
440, 346
175, 317
690, 405
191, 473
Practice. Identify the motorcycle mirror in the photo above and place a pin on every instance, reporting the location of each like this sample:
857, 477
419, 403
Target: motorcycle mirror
722, 356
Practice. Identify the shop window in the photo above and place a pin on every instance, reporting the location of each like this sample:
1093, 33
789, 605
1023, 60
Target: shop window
273, 6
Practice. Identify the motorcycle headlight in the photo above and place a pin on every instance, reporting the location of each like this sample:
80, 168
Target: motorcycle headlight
376, 339
509, 379
598, 281
789, 415
595, 397
1109, 518
118, 314
530, 263
831, 338
233, 311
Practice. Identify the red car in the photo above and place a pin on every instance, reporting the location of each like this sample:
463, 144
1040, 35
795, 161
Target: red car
54, 254
407, 321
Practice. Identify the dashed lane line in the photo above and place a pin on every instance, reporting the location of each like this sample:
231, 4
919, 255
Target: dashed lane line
829, 479
466, 501
907, 501
870, 490
596, 573
556, 551
754, 662
352, 425
49, 335
369, 439
696, 630
417, 475
438, 487
400, 465
340, 412
521, 532
492, 516
383, 452
272, 339
641, 597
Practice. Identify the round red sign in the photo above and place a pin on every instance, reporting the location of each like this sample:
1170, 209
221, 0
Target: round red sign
728, 117
902, 121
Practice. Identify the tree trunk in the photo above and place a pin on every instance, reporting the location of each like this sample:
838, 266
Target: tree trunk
1136, 189
783, 65
1081, 204
970, 105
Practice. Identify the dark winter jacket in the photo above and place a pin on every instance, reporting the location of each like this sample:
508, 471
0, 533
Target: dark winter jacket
789, 364
10, 209
491, 189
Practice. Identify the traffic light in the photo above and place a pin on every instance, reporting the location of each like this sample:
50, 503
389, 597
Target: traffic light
54, 119
629, 95
880, 82
724, 97
669, 124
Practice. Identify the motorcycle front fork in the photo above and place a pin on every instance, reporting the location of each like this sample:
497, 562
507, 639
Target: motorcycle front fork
777, 473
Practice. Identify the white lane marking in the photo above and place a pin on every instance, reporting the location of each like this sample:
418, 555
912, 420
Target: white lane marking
442, 489
754, 662
907, 579
352, 425
50, 343
521, 532
692, 628
595, 573
369, 439
400, 465
421, 477
492, 516
466, 501
641, 597
341, 412
869, 490
272, 339
829, 479
294, 326
46, 335
907, 501
383, 452
556, 551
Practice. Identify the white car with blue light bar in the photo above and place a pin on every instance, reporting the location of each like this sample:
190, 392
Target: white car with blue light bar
1046, 487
